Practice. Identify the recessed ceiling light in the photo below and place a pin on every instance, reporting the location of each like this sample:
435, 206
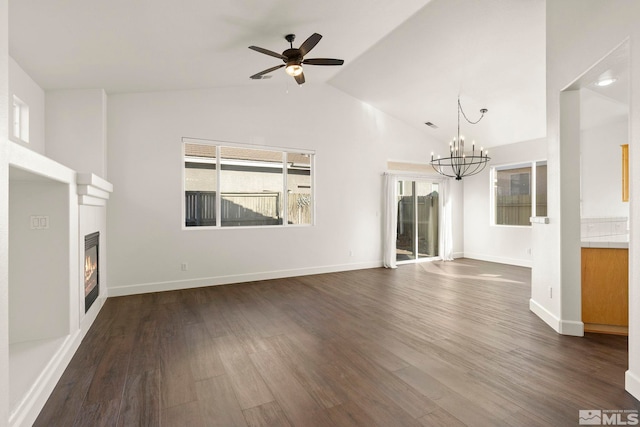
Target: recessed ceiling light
606, 81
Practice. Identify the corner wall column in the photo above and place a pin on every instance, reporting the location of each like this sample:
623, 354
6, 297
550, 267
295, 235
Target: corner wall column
570, 273
4, 211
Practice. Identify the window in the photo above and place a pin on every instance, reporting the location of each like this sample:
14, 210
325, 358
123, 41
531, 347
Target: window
20, 125
519, 192
520, 184
241, 186
541, 189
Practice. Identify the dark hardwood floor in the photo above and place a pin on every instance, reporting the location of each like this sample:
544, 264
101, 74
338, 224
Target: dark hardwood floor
435, 344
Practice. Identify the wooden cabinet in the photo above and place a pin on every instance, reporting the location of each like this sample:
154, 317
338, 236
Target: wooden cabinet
605, 290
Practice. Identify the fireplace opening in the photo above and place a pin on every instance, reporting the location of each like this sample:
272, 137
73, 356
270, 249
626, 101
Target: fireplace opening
91, 269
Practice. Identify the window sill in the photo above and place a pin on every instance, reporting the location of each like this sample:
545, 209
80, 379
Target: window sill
539, 220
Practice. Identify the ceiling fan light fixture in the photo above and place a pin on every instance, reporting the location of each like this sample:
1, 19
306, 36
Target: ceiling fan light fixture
294, 69
293, 58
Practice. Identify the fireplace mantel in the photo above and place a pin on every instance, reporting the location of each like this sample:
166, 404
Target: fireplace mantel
92, 190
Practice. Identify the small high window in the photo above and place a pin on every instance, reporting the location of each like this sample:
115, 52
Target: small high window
519, 192
20, 117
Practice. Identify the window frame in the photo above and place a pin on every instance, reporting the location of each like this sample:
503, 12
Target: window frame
533, 164
285, 151
19, 120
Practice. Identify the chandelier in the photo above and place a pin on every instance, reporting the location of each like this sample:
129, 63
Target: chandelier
460, 163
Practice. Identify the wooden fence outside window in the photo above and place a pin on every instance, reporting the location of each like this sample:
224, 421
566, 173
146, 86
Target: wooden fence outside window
245, 209
516, 210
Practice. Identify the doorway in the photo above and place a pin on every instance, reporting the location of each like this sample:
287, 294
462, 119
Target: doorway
594, 118
418, 207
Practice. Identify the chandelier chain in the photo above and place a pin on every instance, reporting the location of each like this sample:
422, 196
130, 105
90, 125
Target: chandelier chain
465, 116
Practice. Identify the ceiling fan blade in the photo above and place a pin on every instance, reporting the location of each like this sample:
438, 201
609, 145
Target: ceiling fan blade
268, 70
323, 61
309, 43
268, 52
299, 78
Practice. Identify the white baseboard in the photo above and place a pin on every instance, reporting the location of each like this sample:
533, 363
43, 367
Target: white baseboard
457, 255
544, 314
572, 327
500, 260
142, 288
632, 384
564, 327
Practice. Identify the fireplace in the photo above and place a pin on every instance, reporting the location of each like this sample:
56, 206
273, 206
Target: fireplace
91, 269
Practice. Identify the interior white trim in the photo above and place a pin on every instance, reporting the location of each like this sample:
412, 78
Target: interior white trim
222, 143
37, 164
141, 288
91, 201
94, 180
564, 327
632, 383
572, 327
545, 315
89, 190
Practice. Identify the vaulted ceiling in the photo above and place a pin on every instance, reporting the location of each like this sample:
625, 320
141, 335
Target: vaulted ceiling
410, 59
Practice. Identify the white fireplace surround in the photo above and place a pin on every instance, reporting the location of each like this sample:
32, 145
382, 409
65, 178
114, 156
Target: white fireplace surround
46, 304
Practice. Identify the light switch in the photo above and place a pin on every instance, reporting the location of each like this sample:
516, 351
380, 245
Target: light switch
39, 222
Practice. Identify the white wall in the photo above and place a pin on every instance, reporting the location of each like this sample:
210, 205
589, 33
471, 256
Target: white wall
579, 34
601, 170
458, 210
76, 129
352, 140
4, 211
482, 240
23, 86
39, 274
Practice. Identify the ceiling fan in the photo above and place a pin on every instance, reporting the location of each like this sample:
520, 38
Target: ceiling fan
294, 58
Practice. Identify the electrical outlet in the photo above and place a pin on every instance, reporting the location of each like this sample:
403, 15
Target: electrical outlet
550, 292
351, 252
528, 251
184, 266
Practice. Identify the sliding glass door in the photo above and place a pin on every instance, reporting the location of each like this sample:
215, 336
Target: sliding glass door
418, 207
